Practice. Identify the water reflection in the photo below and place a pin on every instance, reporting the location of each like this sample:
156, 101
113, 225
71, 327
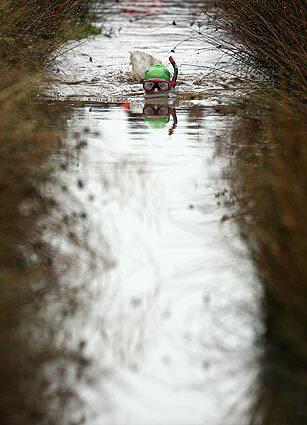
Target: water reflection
166, 322
165, 334
158, 116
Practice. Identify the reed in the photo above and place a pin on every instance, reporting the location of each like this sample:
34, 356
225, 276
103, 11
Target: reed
269, 37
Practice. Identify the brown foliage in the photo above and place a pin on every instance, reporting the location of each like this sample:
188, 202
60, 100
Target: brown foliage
268, 35
31, 30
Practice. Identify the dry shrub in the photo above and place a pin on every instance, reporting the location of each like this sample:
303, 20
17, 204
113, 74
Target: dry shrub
269, 36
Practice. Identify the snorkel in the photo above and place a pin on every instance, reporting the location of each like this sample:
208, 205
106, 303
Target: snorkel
175, 75
157, 79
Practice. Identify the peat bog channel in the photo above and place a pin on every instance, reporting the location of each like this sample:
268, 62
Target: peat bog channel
170, 326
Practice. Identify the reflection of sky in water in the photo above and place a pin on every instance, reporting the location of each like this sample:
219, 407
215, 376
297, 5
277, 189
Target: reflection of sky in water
175, 335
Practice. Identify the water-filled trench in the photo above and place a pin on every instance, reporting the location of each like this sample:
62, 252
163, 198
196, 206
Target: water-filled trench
169, 322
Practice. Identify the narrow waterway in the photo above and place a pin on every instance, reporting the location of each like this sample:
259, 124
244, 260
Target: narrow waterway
169, 325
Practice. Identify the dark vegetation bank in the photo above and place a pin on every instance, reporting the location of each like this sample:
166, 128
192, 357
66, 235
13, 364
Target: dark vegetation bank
30, 33
268, 175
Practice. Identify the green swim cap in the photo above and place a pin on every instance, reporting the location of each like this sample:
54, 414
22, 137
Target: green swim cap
157, 122
157, 71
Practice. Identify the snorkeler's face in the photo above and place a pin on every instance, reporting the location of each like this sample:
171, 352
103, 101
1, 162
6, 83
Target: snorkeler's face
156, 111
156, 83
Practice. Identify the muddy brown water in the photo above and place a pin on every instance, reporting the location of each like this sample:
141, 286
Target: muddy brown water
169, 322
